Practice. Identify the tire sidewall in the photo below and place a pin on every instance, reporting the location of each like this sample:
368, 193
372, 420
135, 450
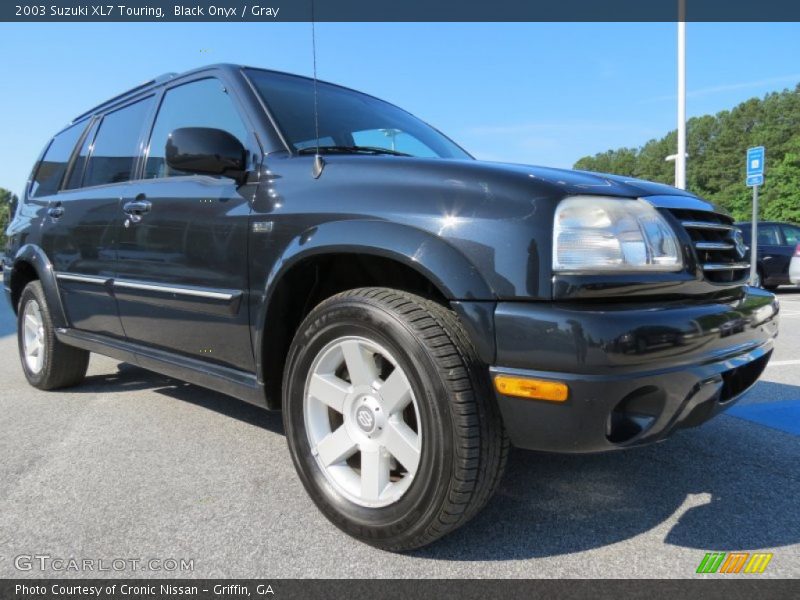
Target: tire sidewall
357, 317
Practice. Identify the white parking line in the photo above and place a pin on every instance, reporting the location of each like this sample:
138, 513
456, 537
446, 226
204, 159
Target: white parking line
783, 363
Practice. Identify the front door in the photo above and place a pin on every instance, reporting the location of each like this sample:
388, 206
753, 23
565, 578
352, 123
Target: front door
182, 255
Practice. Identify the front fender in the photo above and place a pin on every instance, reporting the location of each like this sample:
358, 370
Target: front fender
434, 258
35, 257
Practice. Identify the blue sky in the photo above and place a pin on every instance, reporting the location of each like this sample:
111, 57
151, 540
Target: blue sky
536, 93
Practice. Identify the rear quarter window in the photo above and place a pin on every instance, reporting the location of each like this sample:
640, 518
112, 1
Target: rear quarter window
53, 165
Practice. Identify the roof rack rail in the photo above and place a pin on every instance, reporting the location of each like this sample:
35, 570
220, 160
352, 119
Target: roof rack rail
141, 86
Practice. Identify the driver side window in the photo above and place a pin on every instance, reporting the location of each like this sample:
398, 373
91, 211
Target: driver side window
203, 103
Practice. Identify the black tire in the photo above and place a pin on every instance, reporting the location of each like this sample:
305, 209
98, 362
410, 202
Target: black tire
761, 284
63, 365
464, 447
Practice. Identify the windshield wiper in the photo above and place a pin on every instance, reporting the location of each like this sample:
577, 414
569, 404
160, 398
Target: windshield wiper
351, 150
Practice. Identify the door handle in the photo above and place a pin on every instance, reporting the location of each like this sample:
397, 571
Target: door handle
136, 209
56, 211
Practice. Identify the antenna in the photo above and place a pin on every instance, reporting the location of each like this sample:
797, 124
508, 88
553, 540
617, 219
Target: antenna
319, 164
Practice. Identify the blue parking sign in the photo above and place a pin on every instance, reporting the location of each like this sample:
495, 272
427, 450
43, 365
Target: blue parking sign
755, 166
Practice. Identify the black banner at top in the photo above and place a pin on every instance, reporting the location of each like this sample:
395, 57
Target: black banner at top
396, 10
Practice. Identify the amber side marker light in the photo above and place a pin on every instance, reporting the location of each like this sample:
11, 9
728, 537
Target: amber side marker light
533, 389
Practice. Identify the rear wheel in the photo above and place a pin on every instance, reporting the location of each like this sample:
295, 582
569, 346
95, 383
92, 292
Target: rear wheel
388, 418
47, 363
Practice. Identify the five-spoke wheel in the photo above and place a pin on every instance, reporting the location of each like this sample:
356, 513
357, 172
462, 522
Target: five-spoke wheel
33, 347
362, 421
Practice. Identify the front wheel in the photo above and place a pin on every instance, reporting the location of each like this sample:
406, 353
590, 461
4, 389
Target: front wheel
389, 419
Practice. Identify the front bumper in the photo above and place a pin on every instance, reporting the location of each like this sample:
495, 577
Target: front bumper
636, 373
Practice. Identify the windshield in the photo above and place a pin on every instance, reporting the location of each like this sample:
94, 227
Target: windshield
348, 120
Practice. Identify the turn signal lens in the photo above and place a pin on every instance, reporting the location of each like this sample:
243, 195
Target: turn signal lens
534, 389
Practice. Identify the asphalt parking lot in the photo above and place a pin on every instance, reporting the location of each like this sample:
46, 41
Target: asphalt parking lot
133, 465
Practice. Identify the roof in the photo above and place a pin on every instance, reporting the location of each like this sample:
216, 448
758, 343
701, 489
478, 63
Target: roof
167, 77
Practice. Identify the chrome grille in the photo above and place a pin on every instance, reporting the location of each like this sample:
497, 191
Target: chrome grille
717, 245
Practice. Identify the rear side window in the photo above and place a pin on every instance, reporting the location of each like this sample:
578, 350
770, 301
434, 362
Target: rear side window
203, 103
54, 163
116, 146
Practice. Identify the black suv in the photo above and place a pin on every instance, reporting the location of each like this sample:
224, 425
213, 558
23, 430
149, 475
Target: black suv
410, 309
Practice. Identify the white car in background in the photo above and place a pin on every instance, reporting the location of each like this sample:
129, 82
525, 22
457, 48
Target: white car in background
794, 267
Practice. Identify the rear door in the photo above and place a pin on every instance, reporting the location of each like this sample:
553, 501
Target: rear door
182, 268
79, 232
773, 254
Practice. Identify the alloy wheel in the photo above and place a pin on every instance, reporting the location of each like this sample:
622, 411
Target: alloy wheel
33, 336
362, 421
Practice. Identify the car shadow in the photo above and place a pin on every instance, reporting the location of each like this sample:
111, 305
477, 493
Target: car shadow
728, 485
129, 377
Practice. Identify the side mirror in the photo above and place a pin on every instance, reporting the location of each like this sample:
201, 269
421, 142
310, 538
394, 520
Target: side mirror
206, 151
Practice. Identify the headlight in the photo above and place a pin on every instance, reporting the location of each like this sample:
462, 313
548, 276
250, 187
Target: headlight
597, 233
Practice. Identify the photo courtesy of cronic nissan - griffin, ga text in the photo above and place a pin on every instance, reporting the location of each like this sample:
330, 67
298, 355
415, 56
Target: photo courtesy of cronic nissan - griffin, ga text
411, 310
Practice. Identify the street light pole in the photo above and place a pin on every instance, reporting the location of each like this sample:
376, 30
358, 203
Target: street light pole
680, 160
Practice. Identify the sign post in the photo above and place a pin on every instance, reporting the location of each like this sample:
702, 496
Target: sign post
755, 178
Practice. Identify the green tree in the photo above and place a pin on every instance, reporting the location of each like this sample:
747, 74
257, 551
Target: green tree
8, 202
622, 162
716, 145
781, 189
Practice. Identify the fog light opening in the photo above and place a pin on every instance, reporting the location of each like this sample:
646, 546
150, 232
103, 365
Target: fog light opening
635, 414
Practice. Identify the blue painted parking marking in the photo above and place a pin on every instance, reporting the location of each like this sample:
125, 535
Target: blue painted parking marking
783, 416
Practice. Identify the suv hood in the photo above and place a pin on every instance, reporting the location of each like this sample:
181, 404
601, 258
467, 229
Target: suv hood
570, 182
601, 184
